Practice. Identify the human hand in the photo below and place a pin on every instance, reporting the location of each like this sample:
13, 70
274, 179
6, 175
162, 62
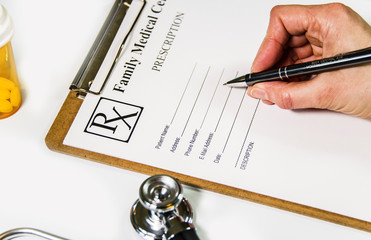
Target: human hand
298, 34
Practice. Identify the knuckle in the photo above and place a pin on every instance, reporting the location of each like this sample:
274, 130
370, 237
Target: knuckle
338, 6
285, 100
275, 10
340, 9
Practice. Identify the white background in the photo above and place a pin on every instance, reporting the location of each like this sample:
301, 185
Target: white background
80, 199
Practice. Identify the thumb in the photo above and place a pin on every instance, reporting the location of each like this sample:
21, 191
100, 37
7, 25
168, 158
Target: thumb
294, 95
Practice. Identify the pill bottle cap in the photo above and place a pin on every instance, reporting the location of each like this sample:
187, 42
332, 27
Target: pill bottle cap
6, 27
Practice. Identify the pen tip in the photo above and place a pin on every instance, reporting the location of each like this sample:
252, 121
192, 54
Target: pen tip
237, 82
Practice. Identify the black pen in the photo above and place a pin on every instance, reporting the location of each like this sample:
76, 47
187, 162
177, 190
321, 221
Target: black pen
304, 69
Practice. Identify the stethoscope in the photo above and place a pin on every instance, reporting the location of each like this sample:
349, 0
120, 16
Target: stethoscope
160, 213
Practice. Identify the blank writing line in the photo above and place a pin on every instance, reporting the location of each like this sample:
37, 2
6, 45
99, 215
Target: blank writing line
221, 114
248, 130
234, 120
225, 103
212, 99
194, 104
185, 89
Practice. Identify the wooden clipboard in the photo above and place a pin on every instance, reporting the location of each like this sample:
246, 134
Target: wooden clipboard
63, 121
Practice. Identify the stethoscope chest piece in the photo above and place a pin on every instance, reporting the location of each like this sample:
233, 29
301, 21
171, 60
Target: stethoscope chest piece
161, 212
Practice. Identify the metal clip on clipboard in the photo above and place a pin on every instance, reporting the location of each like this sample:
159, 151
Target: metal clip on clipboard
107, 47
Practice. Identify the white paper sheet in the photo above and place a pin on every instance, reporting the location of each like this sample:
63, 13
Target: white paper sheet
165, 106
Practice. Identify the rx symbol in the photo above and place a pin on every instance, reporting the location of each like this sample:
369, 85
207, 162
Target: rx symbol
113, 119
124, 117
108, 121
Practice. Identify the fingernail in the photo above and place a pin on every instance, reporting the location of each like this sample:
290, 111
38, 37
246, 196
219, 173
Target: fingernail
259, 93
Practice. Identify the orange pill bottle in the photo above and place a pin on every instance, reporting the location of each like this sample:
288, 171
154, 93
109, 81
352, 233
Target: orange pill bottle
10, 93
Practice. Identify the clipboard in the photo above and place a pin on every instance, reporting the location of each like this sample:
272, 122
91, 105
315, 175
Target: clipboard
120, 20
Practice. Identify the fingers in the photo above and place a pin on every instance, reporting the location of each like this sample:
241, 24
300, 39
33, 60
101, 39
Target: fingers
269, 53
293, 95
298, 33
297, 55
335, 91
287, 29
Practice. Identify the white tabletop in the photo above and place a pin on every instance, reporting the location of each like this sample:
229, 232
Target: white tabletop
80, 199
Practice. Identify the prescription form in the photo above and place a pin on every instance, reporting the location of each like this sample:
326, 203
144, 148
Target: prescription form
165, 105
